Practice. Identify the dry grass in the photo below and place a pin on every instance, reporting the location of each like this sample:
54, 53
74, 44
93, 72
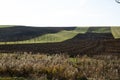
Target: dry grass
59, 67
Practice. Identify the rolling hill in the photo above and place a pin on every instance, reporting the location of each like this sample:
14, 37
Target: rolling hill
26, 34
21, 33
68, 40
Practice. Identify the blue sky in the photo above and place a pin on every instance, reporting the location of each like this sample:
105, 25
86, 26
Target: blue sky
60, 12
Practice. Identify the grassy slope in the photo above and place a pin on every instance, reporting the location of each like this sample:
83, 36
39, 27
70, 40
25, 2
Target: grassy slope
116, 32
54, 37
5, 26
58, 37
21, 33
99, 29
65, 35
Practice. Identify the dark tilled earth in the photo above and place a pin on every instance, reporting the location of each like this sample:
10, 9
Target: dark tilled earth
89, 43
73, 47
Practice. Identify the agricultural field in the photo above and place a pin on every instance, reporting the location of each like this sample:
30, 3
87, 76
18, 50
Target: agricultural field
5, 26
18, 35
72, 47
116, 32
59, 53
26, 35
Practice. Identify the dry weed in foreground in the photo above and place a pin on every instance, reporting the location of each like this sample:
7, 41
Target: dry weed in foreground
59, 67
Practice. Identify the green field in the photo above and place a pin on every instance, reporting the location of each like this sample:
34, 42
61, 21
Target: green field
5, 26
53, 37
66, 35
116, 32
100, 29
57, 37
